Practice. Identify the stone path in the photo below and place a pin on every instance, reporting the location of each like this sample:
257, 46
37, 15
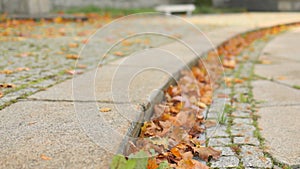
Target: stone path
63, 128
237, 134
277, 90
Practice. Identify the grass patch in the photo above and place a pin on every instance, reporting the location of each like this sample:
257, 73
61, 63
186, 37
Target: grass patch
207, 9
296, 87
107, 11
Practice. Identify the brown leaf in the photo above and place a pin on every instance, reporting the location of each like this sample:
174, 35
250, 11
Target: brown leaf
206, 152
1, 94
105, 109
6, 72
119, 53
72, 56
229, 63
5, 85
176, 152
152, 163
44, 157
73, 45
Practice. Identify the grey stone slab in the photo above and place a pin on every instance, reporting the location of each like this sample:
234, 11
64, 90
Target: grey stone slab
240, 113
273, 94
246, 140
219, 141
73, 136
242, 130
226, 151
110, 84
284, 61
254, 157
228, 161
218, 131
280, 127
242, 121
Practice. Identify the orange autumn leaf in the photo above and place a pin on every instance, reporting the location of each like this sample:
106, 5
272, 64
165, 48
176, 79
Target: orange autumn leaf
6, 72
152, 164
105, 109
1, 94
72, 56
44, 157
206, 152
7, 85
229, 63
176, 152
73, 45
119, 53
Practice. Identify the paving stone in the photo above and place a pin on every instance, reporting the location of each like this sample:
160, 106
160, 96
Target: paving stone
242, 90
241, 113
280, 128
246, 140
242, 121
228, 161
219, 141
241, 133
254, 157
226, 151
218, 131
241, 106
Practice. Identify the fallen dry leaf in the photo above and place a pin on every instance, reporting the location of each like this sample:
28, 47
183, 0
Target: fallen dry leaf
72, 56
5, 85
205, 153
73, 45
229, 63
105, 109
44, 157
152, 164
119, 53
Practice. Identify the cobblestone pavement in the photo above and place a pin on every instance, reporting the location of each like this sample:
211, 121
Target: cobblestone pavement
37, 55
237, 134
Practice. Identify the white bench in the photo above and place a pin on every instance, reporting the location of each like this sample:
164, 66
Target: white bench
168, 9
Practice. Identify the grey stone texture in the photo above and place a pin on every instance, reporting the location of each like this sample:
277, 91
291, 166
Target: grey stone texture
280, 127
246, 140
254, 157
223, 162
279, 112
216, 142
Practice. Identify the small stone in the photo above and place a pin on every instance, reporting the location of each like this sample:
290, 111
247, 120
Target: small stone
240, 133
240, 113
246, 140
242, 106
242, 126
242, 90
242, 121
227, 161
253, 157
219, 142
218, 131
212, 115
226, 151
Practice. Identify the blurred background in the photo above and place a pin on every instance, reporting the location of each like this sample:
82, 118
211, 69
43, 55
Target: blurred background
123, 7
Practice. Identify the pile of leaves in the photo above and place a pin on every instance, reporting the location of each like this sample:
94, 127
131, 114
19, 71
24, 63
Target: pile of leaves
171, 138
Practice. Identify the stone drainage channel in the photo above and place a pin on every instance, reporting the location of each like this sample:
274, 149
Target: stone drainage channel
237, 134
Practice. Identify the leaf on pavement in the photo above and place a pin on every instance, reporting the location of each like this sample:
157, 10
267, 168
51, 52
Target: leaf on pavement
152, 164
72, 56
119, 53
7, 85
207, 152
6, 72
44, 157
105, 109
